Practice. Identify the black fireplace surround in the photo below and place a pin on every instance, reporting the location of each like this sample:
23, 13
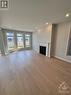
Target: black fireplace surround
42, 50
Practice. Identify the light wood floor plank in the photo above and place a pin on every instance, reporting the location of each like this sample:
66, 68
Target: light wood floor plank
29, 73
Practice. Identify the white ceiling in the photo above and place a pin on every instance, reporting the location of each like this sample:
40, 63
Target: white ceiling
28, 14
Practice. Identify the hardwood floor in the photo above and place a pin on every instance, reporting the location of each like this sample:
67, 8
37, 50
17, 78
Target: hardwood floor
29, 73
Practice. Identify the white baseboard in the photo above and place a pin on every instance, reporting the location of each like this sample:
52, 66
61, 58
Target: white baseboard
63, 59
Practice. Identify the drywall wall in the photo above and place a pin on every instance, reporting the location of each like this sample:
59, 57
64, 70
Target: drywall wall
0, 19
35, 41
69, 45
43, 35
58, 36
1, 43
62, 37
53, 39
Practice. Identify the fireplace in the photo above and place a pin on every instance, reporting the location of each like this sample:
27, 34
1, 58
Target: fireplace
42, 50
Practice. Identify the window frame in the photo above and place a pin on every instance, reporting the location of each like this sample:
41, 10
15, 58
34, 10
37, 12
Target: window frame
17, 40
13, 40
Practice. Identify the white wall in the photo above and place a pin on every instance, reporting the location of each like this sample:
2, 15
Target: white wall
35, 41
42, 36
1, 43
0, 19
62, 37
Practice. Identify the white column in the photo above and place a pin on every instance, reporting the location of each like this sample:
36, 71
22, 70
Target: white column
49, 49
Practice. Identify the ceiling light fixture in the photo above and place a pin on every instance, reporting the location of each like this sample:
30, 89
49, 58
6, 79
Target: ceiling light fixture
47, 23
67, 15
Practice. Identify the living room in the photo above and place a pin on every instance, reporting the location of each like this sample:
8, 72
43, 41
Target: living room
35, 47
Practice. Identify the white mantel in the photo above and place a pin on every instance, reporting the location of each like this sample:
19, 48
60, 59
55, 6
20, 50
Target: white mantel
48, 46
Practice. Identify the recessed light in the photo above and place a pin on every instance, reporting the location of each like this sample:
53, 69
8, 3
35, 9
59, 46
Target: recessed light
67, 15
47, 23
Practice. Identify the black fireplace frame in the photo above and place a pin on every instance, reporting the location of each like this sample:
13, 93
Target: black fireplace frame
42, 50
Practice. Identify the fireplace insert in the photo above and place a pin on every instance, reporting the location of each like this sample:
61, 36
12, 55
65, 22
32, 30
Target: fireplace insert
42, 50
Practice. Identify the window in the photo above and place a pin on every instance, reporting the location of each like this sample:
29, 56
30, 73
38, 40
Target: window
20, 41
10, 40
27, 40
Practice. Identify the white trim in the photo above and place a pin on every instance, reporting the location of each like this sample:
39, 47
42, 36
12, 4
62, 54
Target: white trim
63, 59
